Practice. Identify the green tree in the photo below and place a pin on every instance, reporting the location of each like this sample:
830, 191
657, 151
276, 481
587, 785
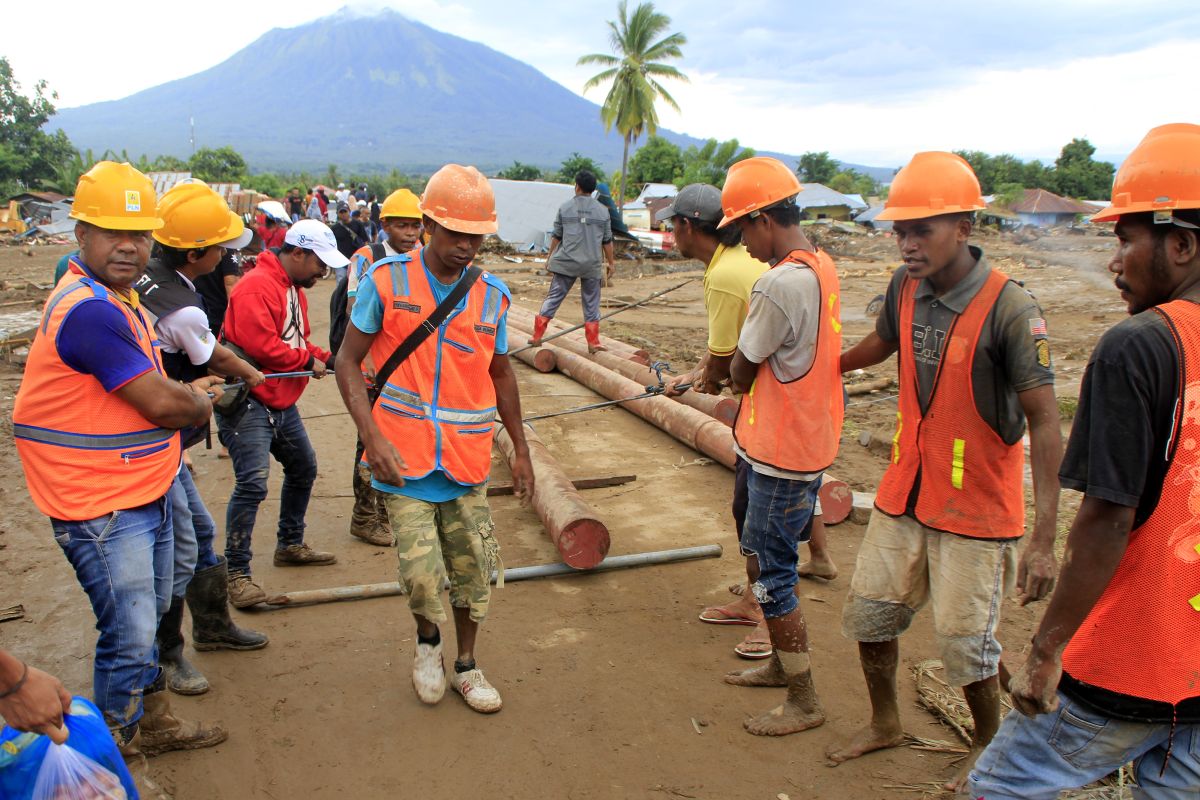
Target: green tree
572, 165
657, 161
850, 181
266, 182
520, 172
1036, 175
220, 165
711, 161
817, 167
168, 164
635, 72
1076, 174
28, 155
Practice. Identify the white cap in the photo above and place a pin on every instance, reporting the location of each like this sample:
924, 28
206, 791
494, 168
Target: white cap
311, 234
238, 242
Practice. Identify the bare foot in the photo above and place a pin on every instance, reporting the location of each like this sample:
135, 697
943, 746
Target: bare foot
818, 568
959, 780
769, 674
867, 740
785, 719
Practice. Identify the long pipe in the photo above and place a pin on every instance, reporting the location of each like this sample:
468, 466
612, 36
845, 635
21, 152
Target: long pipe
694, 428
364, 591
581, 538
539, 358
723, 409
615, 346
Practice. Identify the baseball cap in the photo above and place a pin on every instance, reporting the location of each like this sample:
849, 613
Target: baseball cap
341, 186
311, 234
694, 201
343, 206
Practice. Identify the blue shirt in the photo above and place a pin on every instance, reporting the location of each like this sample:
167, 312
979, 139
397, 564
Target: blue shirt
367, 316
95, 339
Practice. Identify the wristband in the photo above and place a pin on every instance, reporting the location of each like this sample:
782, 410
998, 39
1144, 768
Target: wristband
20, 682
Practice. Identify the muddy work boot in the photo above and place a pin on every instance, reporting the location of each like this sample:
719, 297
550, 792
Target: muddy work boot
369, 520
212, 628
129, 744
591, 332
540, 324
181, 676
162, 731
301, 555
244, 592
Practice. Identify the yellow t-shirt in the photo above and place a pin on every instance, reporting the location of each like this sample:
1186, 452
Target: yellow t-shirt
727, 284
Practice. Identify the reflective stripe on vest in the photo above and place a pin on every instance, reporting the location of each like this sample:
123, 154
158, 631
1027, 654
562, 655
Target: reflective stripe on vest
796, 425
438, 406
1142, 638
87, 452
971, 481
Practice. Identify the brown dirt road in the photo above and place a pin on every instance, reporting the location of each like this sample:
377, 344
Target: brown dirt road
611, 685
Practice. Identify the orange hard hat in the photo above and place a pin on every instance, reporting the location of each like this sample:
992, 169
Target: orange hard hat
461, 199
932, 184
401, 203
195, 216
117, 197
754, 184
1161, 174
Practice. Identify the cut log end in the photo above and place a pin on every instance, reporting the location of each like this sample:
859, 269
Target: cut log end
584, 543
836, 501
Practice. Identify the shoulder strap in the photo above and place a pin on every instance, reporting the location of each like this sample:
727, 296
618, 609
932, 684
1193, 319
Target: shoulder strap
427, 326
377, 252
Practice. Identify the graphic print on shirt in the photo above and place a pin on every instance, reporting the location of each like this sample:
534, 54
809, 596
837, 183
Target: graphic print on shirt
927, 344
293, 332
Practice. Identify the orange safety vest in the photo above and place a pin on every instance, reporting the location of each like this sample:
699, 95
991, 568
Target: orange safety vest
362, 261
438, 406
972, 482
796, 425
1142, 638
86, 452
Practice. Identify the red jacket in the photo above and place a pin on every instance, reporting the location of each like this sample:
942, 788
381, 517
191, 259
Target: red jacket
271, 325
272, 237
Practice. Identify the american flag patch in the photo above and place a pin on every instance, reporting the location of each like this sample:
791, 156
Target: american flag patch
1037, 327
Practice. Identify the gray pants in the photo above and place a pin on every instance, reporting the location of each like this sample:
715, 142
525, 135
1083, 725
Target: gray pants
589, 292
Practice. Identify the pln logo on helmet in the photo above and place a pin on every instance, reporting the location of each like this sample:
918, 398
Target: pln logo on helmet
133, 200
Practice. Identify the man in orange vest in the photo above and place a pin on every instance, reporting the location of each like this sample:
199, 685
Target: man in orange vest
1111, 676
789, 423
96, 423
428, 433
950, 511
401, 215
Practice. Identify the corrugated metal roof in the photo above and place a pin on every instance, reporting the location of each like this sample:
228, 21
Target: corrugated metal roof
165, 180
45, 197
820, 195
1040, 201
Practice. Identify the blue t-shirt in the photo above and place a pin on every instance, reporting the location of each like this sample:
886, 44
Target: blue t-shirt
95, 339
367, 316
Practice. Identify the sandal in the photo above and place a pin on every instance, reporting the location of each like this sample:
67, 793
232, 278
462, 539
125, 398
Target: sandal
725, 615
756, 645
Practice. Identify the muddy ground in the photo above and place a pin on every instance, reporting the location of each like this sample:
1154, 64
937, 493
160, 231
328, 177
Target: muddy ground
611, 685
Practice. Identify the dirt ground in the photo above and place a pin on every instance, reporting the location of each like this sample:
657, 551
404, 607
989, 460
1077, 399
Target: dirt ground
612, 687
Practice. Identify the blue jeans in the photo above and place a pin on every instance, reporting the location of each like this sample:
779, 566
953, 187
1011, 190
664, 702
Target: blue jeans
194, 531
778, 519
1034, 759
252, 440
123, 561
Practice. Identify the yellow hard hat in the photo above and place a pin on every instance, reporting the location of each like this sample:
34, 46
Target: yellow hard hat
117, 197
401, 203
461, 199
194, 216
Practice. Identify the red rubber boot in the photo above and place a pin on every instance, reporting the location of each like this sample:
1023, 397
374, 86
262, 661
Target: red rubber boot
591, 332
539, 330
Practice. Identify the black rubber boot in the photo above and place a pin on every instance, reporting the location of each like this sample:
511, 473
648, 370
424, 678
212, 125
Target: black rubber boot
181, 676
212, 627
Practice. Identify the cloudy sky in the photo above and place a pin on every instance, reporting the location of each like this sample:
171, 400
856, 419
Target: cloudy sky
871, 81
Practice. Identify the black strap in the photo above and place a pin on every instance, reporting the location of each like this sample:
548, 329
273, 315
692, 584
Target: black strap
427, 326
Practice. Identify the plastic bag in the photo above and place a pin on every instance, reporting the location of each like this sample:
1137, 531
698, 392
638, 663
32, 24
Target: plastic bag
23, 755
67, 774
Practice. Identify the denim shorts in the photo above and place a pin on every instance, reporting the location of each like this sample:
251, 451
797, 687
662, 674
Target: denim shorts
779, 516
1035, 759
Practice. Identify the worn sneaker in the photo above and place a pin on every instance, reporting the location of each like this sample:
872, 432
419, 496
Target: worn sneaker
376, 535
475, 689
301, 555
429, 673
244, 592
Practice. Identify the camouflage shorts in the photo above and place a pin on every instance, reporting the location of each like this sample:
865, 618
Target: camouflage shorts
455, 539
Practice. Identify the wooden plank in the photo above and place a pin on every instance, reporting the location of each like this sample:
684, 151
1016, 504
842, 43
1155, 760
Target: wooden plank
506, 489
11, 613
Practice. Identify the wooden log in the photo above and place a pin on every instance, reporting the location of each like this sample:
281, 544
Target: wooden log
866, 387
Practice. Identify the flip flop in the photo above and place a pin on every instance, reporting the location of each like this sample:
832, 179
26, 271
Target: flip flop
721, 615
756, 645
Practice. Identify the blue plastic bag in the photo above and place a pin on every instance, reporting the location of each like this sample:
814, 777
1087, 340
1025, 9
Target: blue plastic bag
23, 756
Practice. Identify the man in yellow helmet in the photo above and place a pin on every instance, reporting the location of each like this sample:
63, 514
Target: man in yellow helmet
96, 423
198, 230
428, 432
401, 217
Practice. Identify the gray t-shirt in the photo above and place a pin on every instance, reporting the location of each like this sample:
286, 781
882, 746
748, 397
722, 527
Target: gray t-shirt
582, 226
781, 328
1012, 356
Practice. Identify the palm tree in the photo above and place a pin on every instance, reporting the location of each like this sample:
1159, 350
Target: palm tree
635, 71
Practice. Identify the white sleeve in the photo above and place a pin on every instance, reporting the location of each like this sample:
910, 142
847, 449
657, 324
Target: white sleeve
186, 331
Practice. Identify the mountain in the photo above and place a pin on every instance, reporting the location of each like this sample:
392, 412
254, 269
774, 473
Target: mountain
365, 92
